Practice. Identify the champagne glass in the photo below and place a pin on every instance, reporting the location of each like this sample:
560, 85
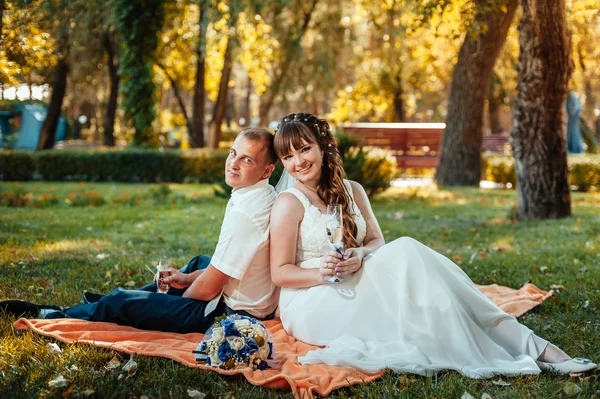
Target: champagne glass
335, 233
161, 273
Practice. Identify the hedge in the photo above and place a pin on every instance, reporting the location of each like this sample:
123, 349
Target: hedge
584, 170
109, 165
373, 168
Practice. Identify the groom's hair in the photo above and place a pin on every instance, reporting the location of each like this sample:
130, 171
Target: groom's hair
258, 134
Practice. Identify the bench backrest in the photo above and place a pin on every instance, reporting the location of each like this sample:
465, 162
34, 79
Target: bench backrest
414, 139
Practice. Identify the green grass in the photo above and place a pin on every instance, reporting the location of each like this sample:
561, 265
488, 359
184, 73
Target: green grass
49, 255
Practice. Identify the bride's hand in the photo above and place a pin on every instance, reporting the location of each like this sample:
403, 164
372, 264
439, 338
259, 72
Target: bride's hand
351, 263
328, 264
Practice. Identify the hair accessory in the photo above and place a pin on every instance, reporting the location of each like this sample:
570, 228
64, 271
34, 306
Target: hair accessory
322, 133
284, 120
329, 145
330, 154
305, 119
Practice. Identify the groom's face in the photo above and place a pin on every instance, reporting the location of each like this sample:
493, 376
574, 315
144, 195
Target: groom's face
247, 163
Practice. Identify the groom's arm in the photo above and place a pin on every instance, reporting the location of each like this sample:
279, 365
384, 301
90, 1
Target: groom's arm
207, 285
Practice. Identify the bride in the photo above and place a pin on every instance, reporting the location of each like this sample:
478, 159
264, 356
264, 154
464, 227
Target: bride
400, 305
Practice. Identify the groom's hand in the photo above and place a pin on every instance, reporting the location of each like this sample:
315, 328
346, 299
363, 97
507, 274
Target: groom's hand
351, 263
176, 279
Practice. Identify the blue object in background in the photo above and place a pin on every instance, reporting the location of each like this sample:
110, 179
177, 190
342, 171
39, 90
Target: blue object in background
32, 117
574, 138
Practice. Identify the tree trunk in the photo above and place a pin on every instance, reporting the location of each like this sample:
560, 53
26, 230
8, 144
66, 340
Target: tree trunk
398, 101
196, 132
111, 107
1, 16
495, 101
221, 103
59, 87
537, 135
281, 73
460, 153
246, 113
178, 96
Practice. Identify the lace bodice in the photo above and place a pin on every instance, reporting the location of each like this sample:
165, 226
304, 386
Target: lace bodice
312, 237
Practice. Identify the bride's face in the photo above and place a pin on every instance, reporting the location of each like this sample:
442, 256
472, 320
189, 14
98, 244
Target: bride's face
304, 163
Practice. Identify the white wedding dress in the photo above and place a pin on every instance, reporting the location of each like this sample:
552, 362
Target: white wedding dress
409, 309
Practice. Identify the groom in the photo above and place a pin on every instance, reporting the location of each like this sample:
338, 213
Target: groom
236, 280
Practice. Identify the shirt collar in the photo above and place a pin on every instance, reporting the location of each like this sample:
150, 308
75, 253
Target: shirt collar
240, 192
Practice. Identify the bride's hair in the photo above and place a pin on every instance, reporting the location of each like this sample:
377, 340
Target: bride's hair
297, 129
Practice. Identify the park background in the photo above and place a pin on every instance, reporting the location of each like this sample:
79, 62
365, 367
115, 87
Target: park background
116, 117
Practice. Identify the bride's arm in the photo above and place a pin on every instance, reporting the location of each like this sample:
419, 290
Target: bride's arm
286, 215
373, 238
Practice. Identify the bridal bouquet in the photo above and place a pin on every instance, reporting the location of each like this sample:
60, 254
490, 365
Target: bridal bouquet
235, 342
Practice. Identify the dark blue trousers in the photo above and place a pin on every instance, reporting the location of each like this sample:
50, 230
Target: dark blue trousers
147, 309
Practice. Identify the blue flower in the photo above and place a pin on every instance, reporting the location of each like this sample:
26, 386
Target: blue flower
225, 351
229, 328
244, 352
251, 343
202, 347
262, 365
270, 350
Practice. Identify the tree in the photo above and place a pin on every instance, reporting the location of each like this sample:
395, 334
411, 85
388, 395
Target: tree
222, 96
537, 133
300, 15
110, 46
460, 152
138, 23
59, 84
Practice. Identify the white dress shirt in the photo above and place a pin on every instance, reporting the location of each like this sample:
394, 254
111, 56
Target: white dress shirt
243, 251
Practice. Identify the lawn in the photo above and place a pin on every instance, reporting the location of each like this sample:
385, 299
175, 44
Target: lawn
53, 251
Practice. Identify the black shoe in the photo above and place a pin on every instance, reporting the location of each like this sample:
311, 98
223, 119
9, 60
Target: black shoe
17, 308
90, 297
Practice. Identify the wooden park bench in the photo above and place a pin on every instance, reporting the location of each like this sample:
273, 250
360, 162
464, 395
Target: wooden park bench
415, 145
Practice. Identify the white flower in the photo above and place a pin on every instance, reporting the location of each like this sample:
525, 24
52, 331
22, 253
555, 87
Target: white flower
218, 335
214, 358
242, 324
236, 343
258, 330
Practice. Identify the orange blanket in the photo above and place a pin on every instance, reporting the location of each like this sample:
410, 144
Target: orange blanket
304, 381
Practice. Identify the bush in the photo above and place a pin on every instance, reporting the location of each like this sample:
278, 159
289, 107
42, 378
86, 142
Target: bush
16, 197
374, 168
85, 198
584, 170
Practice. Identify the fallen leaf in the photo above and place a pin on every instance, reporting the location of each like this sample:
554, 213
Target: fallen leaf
501, 383
486, 396
58, 382
54, 349
113, 364
398, 216
583, 270
33, 258
192, 393
68, 392
130, 283
88, 392
457, 258
571, 389
107, 275
586, 304
543, 269
557, 287
89, 228
467, 395
130, 366
501, 249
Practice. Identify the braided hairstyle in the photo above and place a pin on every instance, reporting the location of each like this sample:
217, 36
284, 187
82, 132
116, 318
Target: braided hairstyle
297, 129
